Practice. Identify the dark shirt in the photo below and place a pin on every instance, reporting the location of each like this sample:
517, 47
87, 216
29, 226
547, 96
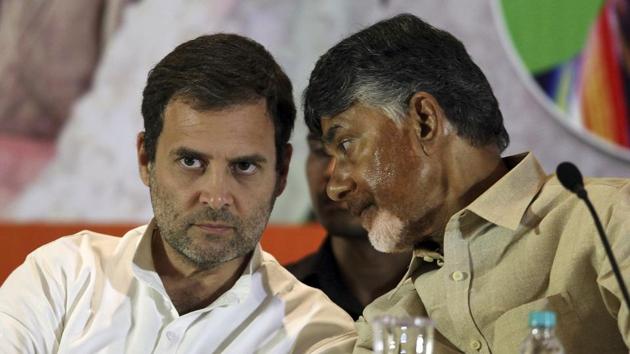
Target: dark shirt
320, 270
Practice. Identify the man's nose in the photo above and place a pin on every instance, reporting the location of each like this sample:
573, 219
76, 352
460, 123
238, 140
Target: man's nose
214, 190
340, 184
328, 169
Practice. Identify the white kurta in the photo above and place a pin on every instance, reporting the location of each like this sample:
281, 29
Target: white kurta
92, 293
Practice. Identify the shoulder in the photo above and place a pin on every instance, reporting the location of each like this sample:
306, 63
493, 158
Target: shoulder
614, 191
87, 242
299, 298
309, 315
557, 211
604, 193
609, 189
69, 247
610, 197
69, 255
284, 284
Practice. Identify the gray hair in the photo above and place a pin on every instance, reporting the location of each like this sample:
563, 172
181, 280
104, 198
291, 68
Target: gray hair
384, 65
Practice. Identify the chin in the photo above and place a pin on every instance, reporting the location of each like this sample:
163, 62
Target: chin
385, 234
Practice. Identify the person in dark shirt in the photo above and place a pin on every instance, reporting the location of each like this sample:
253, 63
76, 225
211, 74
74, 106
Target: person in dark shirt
346, 267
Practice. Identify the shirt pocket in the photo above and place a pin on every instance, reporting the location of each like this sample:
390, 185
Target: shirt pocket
511, 328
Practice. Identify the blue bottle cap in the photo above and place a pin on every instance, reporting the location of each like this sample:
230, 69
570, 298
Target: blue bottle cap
542, 319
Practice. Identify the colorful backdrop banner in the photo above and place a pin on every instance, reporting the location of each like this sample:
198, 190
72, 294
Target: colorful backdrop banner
576, 55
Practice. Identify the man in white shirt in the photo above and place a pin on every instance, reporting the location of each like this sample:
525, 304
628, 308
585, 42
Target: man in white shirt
218, 113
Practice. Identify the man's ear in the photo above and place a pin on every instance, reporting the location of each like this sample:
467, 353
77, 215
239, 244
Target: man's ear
427, 117
143, 159
283, 169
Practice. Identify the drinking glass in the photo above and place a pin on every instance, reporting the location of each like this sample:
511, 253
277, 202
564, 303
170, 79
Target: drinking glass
402, 335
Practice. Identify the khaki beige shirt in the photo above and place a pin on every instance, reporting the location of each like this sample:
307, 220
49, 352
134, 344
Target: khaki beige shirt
525, 244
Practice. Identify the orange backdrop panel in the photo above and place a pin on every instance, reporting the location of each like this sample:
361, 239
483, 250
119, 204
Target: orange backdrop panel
287, 243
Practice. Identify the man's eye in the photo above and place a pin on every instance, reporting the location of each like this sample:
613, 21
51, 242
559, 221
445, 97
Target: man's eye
190, 162
344, 145
245, 168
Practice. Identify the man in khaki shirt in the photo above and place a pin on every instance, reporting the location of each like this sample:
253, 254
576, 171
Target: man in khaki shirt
416, 136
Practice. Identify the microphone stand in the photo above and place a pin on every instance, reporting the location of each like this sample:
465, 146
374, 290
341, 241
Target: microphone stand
581, 193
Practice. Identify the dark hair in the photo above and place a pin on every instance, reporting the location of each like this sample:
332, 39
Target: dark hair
385, 64
216, 72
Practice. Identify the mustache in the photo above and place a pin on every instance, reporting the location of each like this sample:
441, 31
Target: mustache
222, 215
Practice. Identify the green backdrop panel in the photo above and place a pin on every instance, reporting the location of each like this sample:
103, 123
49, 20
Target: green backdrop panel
548, 32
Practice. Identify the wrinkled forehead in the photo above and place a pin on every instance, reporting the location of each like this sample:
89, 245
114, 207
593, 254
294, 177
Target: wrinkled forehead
358, 117
323, 122
326, 123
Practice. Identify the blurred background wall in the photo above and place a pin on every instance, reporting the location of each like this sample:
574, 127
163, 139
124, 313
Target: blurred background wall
72, 73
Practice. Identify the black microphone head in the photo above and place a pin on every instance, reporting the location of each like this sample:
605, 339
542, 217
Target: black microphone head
570, 177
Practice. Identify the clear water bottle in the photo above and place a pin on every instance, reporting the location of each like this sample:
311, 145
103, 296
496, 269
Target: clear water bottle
542, 338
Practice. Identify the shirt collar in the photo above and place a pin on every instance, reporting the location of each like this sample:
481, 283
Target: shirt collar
427, 252
142, 264
505, 203
144, 270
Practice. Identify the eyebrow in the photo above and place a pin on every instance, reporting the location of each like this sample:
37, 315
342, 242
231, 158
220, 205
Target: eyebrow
259, 159
331, 133
184, 151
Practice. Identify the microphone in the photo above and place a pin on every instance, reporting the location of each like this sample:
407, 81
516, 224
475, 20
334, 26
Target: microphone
571, 178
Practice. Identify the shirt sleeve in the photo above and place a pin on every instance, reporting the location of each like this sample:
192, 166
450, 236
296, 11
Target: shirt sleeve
617, 225
322, 319
32, 305
402, 302
341, 344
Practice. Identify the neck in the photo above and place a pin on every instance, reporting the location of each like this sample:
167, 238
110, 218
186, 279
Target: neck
471, 176
191, 287
367, 273
471, 171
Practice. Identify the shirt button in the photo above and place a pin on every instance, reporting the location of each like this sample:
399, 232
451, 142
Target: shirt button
171, 336
475, 345
458, 276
